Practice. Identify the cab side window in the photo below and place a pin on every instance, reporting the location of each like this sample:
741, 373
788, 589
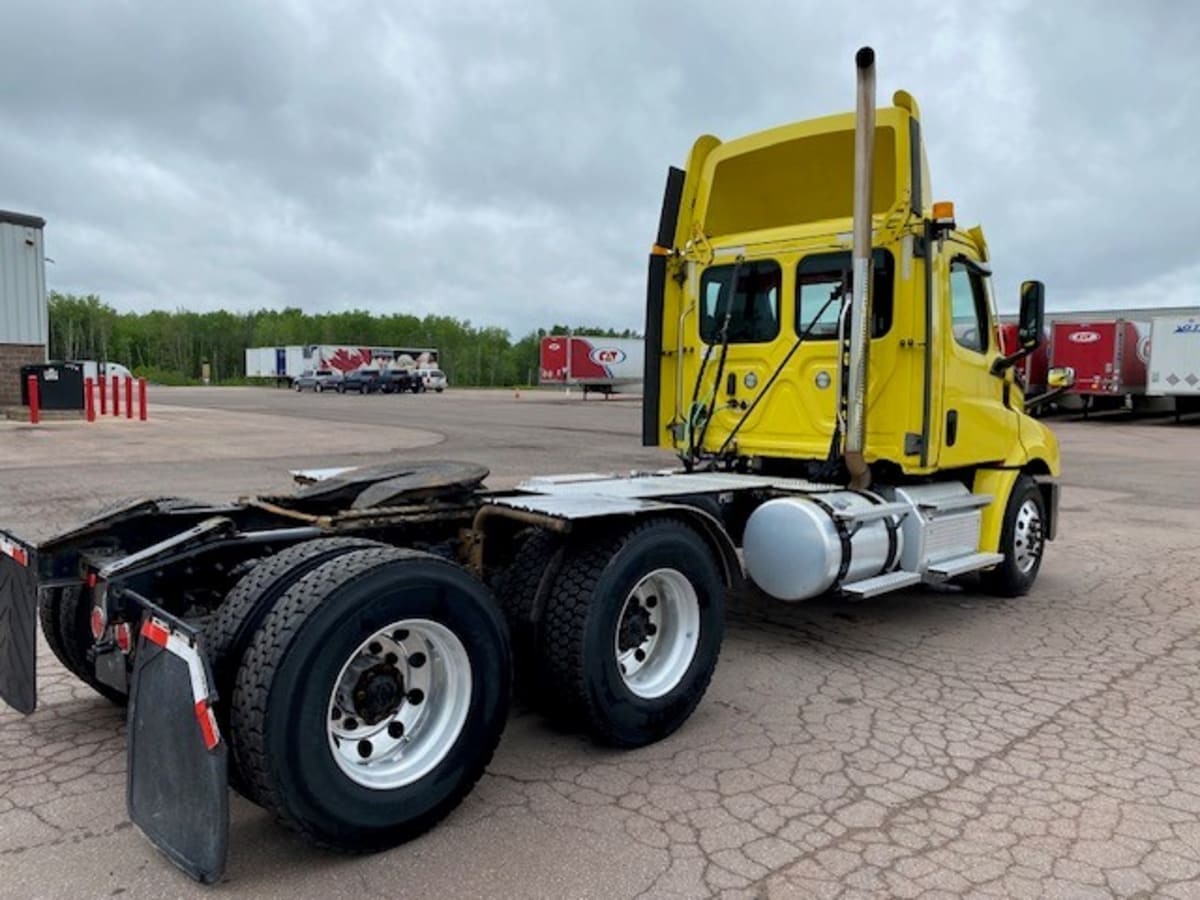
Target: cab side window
968, 308
753, 308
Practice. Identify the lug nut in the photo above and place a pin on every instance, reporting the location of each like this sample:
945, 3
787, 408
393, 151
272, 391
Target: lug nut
639, 654
417, 660
364, 749
651, 629
415, 696
651, 602
396, 730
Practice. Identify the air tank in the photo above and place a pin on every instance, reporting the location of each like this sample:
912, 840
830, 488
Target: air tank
796, 547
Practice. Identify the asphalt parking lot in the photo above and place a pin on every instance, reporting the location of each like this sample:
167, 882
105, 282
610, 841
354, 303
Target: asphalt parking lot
924, 744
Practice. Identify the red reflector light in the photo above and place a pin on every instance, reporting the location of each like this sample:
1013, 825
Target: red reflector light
124, 636
208, 724
91, 579
154, 632
98, 622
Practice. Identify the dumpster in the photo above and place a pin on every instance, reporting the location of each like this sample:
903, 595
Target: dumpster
60, 385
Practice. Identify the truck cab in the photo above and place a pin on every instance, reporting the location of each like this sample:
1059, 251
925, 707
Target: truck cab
748, 314
749, 373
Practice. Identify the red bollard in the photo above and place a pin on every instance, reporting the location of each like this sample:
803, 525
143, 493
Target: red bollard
103, 395
89, 399
35, 410
142, 399
129, 398
116, 386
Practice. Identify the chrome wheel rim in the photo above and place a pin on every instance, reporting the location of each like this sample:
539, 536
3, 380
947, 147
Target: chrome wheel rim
657, 634
399, 704
1027, 537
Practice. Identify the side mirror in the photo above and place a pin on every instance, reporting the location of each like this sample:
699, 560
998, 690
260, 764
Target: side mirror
1030, 323
1060, 378
1033, 315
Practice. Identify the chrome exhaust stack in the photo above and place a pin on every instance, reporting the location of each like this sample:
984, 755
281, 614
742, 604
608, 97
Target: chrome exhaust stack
860, 297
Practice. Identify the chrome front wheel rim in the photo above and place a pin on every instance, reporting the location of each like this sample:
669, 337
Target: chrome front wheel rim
1027, 536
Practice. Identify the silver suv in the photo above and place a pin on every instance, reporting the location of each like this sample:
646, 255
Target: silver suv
317, 380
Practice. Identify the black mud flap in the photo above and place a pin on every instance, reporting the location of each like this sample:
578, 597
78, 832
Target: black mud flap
177, 788
18, 623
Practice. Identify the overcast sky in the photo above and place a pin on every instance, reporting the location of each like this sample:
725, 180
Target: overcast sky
504, 162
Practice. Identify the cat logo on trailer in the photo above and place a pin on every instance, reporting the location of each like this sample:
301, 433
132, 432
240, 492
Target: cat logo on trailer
607, 356
1084, 337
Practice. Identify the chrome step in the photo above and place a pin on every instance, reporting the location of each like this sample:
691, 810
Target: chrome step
956, 504
872, 513
880, 584
961, 565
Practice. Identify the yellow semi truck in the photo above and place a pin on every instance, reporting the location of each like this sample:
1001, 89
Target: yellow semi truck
821, 354
776, 354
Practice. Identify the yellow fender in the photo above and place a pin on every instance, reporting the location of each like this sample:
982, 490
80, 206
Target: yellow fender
999, 483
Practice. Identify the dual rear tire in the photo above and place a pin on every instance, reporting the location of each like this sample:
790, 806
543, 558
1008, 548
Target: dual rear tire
370, 695
619, 636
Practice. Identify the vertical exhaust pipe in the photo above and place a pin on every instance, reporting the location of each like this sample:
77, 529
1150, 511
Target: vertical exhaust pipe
860, 297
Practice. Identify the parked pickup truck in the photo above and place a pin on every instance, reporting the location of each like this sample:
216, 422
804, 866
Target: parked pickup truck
364, 381
317, 380
395, 381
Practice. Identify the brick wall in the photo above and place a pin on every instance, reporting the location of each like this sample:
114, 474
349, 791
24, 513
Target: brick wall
12, 357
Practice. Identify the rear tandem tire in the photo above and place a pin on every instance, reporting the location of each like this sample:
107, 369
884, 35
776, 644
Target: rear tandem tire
65, 614
521, 593
231, 629
421, 646
654, 590
1022, 541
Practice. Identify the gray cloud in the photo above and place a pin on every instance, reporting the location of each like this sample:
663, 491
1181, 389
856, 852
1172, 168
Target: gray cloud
503, 162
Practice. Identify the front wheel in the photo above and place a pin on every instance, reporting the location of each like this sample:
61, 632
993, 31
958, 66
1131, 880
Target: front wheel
372, 698
632, 631
1022, 541
318, 387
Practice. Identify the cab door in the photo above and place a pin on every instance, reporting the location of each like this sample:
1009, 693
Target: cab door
977, 421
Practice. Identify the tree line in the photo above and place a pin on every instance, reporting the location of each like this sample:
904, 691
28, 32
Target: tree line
172, 347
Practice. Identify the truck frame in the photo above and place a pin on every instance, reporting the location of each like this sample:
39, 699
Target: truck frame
344, 655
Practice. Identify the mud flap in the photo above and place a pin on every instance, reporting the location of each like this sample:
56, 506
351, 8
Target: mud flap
177, 787
18, 623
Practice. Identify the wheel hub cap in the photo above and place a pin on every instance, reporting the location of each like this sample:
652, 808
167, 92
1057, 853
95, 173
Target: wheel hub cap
1027, 536
657, 633
399, 704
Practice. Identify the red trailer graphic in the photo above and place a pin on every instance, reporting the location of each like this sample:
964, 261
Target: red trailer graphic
1109, 358
595, 363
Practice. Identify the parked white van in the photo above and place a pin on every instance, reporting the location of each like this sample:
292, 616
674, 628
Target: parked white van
432, 379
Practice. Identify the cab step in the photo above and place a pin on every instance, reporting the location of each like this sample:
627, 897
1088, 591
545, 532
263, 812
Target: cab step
880, 584
961, 565
956, 504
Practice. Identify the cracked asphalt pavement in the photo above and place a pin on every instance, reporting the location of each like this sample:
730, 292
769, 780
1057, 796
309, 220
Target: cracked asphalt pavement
932, 743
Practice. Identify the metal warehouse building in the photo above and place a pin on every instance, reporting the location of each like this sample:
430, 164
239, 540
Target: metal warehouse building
24, 310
